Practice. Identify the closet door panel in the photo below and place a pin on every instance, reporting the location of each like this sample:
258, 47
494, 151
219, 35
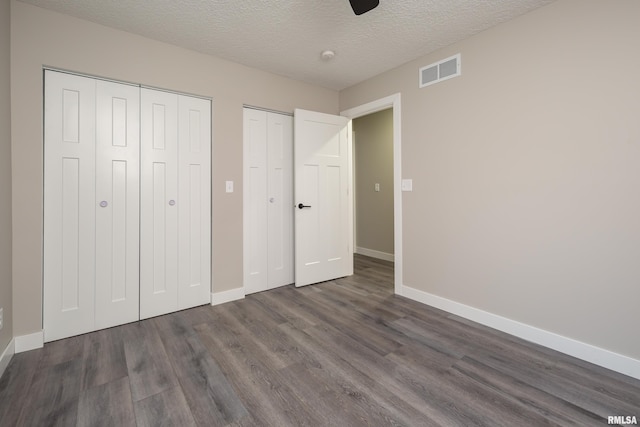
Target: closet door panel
268, 200
117, 201
158, 203
280, 193
255, 201
69, 205
194, 204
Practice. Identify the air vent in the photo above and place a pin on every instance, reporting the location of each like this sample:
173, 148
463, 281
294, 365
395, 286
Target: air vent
439, 71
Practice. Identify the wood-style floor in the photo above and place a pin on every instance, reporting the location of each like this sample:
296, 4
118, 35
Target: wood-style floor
341, 353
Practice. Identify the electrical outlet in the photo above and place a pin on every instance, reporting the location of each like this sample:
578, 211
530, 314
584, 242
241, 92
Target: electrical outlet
1, 323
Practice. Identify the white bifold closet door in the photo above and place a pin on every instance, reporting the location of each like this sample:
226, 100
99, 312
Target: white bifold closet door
175, 202
118, 211
268, 200
127, 203
91, 216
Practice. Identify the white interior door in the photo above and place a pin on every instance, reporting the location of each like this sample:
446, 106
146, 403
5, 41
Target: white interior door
322, 177
69, 205
117, 204
194, 204
158, 200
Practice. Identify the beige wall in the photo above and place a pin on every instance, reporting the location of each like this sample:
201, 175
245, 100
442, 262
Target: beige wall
526, 171
40, 37
374, 164
5, 175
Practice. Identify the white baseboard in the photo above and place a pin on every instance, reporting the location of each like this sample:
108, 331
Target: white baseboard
375, 254
227, 296
596, 355
29, 342
7, 354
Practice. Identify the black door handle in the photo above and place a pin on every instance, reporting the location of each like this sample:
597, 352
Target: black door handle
301, 206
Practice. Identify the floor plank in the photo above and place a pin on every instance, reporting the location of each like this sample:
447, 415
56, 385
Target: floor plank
166, 409
53, 395
15, 385
210, 396
263, 391
149, 369
343, 352
107, 405
104, 358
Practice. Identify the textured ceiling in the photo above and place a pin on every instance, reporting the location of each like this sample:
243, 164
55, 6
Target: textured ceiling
287, 37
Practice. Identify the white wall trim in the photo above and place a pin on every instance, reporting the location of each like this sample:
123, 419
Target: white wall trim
227, 296
391, 101
590, 353
7, 354
375, 254
29, 342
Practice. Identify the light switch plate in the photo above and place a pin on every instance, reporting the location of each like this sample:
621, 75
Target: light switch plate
407, 185
229, 186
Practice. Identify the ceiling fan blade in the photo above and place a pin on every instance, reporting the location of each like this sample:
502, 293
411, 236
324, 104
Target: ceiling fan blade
361, 6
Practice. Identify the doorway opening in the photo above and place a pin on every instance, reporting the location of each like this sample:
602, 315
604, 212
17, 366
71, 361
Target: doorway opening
373, 185
391, 102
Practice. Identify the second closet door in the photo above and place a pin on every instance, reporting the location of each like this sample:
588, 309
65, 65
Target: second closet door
268, 200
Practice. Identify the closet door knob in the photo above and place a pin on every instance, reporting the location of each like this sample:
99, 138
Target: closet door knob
302, 206
172, 202
104, 204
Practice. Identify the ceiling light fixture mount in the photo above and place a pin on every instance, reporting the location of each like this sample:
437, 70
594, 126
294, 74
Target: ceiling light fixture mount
327, 55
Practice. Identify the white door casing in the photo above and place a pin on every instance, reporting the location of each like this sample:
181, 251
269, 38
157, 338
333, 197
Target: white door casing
69, 205
322, 177
117, 203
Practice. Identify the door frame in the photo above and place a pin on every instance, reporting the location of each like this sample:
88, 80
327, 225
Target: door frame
391, 101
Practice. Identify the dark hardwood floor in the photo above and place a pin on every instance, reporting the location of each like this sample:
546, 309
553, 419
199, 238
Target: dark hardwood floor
340, 353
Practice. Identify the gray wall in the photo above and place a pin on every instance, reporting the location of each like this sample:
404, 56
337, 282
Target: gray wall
41, 37
5, 175
525, 171
374, 164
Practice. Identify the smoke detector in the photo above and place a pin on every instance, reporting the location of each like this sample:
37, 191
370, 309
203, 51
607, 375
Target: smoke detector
327, 55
